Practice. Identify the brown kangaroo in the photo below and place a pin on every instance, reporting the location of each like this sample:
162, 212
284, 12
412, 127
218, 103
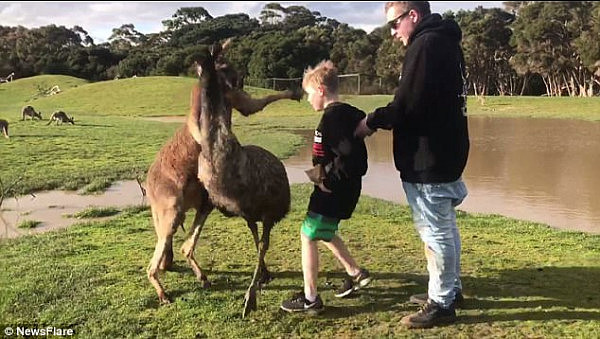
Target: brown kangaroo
246, 181
173, 187
4, 128
29, 111
60, 116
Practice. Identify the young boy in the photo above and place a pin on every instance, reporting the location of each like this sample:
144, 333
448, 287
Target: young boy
342, 160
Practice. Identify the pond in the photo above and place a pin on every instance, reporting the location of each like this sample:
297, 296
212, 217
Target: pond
542, 170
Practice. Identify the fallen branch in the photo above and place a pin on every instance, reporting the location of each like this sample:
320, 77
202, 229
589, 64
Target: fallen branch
141, 186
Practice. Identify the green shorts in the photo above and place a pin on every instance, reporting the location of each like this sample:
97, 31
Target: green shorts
318, 227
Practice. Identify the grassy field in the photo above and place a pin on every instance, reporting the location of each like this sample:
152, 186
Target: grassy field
110, 141
521, 279
511, 107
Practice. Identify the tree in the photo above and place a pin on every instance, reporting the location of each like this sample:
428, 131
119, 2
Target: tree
126, 37
84, 37
544, 33
282, 55
186, 16
213, 30
588, 46
486, 37
271, 14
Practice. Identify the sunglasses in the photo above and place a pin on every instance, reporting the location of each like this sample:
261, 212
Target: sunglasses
392, 24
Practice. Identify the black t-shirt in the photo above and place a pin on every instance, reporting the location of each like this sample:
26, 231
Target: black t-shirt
344, 158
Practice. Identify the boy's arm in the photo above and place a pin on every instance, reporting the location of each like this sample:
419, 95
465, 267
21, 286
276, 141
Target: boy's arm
334, 143
245, 104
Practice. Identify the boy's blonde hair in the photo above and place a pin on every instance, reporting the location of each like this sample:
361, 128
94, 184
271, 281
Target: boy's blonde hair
323, 74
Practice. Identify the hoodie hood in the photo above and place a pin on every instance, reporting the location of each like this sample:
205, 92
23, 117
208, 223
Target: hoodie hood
435, 23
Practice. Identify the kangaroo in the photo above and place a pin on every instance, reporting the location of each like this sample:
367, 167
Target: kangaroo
4, 128
60, 116
29, 111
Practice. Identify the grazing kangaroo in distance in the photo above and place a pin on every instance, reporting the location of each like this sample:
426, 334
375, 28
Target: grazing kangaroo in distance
60, 116
4, 128
29, 111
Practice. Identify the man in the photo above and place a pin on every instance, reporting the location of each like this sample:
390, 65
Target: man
431, 145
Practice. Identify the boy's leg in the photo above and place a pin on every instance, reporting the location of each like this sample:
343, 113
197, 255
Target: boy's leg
340, 251
309, 300
310, 266
357, 277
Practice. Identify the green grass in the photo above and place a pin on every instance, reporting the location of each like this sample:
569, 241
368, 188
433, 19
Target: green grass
100, 150
134, 97
95, 212
21, 92
109, 141
521, 279
27, 224
515, 107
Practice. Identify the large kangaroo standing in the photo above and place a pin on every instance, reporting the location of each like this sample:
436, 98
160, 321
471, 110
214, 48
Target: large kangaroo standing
246, 181
172, 184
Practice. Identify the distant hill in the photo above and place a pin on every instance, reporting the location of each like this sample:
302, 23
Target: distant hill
142, 96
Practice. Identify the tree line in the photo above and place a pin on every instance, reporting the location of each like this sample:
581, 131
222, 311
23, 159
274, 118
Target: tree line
526, 48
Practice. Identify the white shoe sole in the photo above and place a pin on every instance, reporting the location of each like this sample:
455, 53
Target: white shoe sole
362, 283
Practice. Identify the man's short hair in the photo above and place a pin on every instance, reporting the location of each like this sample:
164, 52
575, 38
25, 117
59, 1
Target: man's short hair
324, 74
422, 7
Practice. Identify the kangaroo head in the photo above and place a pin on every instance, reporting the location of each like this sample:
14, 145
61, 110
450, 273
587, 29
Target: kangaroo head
227, 75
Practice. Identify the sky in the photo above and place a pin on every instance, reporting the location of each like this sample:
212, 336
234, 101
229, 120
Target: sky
99, 18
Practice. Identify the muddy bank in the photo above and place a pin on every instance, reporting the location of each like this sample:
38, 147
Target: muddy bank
52, 208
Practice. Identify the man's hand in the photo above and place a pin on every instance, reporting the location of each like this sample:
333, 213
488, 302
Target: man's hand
323, 188
362, 130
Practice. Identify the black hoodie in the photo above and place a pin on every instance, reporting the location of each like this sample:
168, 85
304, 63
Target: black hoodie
428, 112
344, 158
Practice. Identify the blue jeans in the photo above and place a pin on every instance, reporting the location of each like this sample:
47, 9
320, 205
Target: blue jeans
433, 212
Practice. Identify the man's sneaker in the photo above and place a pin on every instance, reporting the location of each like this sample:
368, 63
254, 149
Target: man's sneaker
459, 299
351, 284
430, 314
299, 303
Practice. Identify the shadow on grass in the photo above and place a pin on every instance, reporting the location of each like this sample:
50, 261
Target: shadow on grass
518, 294
36, 136
92, 125
532, 293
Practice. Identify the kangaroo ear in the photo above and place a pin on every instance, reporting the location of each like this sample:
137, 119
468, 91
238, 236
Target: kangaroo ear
226, 44
216, 49
198, 69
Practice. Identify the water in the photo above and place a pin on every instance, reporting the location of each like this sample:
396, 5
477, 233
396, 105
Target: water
542, 170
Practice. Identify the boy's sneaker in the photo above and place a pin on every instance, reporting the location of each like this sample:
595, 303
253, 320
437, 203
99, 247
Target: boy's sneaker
430, 314
351, 284
421, 299
299, 303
